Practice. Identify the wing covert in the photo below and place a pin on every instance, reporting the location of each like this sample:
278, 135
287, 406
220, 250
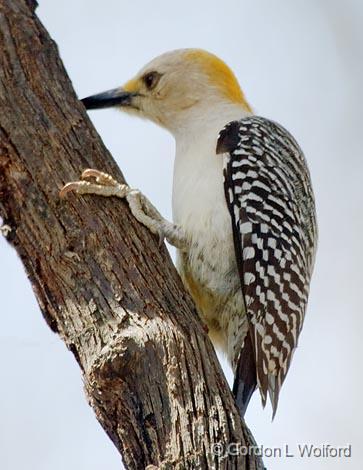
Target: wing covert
270, 199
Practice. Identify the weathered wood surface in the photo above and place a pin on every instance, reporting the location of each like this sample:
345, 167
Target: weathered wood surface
101, 280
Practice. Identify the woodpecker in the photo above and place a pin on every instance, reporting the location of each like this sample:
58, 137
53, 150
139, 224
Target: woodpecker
244, 221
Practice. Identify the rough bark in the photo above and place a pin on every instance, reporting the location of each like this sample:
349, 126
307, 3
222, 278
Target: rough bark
101, 280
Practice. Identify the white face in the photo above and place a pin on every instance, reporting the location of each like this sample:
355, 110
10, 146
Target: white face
167, 88
174, 88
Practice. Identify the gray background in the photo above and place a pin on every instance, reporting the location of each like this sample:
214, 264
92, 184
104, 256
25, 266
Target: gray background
299, 63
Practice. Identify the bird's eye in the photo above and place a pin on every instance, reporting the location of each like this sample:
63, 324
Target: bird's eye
151, 79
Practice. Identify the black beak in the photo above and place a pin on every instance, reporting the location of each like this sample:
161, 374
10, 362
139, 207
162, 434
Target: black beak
115, 97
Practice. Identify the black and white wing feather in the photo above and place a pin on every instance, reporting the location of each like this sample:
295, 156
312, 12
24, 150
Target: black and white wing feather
270, 199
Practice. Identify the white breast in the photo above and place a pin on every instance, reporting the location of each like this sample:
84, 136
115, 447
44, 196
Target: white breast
199, 207
198, 193
208, 268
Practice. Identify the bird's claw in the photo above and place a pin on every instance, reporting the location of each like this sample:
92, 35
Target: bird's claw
99, 177
96, 182
70, 187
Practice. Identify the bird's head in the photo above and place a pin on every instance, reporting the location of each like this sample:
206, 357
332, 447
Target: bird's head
175, 88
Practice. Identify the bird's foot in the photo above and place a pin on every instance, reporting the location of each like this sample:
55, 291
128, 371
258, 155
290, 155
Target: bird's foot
103, 184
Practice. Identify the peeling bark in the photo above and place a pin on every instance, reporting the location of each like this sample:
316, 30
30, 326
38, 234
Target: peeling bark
100, 278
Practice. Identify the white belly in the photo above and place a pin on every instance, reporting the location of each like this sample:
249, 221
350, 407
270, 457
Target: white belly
208, 268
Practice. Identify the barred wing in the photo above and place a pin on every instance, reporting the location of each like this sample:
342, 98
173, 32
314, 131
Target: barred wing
270, 199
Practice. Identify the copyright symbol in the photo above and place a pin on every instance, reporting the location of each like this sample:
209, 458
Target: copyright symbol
217, 449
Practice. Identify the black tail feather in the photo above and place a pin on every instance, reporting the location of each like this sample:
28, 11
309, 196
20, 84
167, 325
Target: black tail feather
245, 381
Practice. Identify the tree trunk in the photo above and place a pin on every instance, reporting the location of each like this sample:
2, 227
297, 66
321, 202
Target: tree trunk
101, 280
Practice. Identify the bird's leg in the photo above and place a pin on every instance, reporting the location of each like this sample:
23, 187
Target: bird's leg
140, 206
